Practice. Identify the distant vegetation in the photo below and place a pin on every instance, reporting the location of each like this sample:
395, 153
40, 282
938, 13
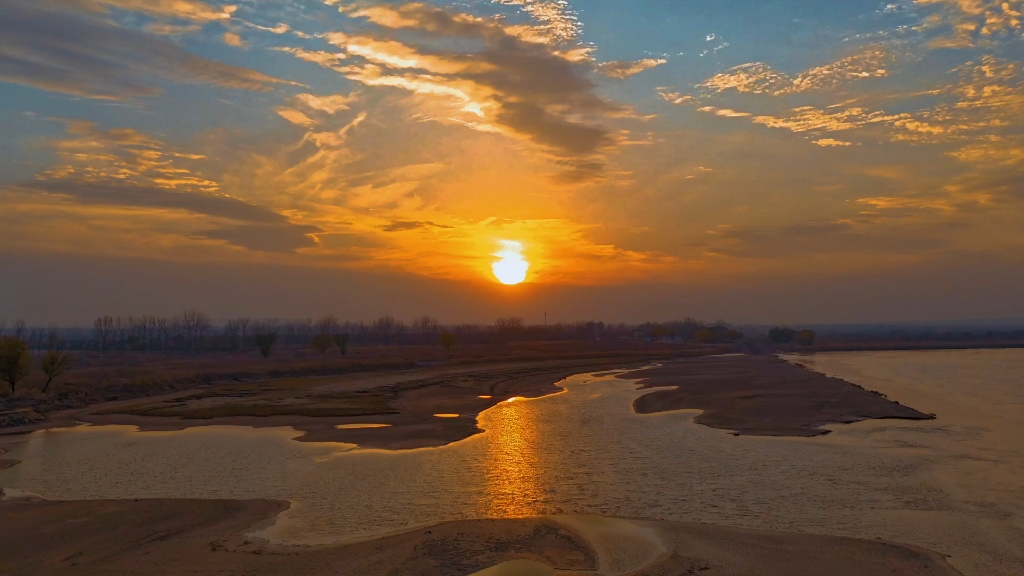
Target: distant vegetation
195, 331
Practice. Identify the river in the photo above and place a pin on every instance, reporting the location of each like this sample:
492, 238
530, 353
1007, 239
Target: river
954, 485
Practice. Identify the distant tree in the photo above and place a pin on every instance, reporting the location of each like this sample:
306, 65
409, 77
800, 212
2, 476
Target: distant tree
243, 329
707, 337
805, 337
3, 326
734, 335
509, 324
659, 331
427, 327
447, 340
231, 334
386, 327
19, 328
781, 335
265, 342
15, 362
53, 340
54, 364
196, 324
342, 341
321, 342
104, 329
328, 325
120, 330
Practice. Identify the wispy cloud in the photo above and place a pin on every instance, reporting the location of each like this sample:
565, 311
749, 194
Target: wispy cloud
61, 50
626, 69
500, 83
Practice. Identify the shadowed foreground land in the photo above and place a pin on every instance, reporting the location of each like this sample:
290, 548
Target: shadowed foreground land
762, 396
166, 537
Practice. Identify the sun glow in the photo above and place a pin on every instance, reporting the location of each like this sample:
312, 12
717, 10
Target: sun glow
511, 267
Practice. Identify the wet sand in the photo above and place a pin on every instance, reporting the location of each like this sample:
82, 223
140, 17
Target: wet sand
208, 537
407, 403
761, 396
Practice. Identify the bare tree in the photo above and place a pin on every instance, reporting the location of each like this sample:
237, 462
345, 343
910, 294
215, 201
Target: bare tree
243, 328
427, 328
54, 364
195, 324
19, 328
104, 329
385, 328
328, 325
163, 329
231, 333
121, 329
509, 323
53, 340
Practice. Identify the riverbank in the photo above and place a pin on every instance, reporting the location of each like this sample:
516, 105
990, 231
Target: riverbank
170, 537
761, 396
113, 378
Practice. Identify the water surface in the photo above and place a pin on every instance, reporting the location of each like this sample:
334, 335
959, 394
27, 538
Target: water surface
952, 485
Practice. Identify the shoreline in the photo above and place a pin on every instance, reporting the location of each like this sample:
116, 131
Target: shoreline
436, 406
405, 400
174, 536
761, 396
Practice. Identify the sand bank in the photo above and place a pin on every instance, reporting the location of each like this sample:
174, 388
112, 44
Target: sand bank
761, 395
328, 409
169, 537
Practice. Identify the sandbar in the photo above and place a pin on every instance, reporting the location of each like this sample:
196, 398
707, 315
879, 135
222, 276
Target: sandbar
761, 396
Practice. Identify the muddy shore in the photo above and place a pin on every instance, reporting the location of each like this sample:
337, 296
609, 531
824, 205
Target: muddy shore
171, 537
402, 405
434, 406
761, 395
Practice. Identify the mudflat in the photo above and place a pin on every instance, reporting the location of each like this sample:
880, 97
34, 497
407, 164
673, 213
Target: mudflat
171, 537
401, 410
761, 395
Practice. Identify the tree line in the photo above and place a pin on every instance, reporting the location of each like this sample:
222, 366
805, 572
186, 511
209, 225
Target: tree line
195, 331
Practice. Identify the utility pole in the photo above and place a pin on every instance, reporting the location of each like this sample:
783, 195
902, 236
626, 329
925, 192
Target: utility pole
545, 318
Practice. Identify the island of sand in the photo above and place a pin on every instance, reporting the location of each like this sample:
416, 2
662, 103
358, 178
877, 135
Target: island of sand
761, 395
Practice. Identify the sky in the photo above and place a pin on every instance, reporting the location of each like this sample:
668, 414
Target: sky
788, 161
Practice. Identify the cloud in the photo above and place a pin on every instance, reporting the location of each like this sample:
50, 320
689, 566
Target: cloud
556, 21
673, 97
112, 192
89, 153
80, 54
831, 143
250, 226
126, 168
323, 58
969, 23
833, 237
760, 78
232, 39
330, 103
264, 238
726, 112
191, 10
492, 80
623, 70
405, 226
294, 116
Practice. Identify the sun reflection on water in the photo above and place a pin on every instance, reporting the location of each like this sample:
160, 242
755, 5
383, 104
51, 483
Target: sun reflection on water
512, 487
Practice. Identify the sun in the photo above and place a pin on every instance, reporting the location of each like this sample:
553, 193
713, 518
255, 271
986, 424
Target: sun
511, 267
